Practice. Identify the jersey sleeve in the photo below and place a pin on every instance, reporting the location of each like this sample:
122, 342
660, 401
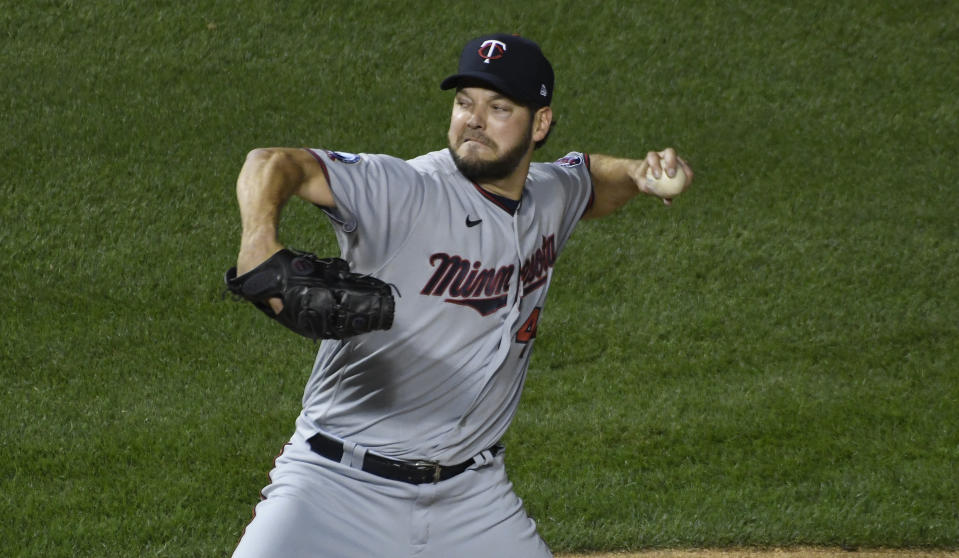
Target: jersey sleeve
377, 200
570, 175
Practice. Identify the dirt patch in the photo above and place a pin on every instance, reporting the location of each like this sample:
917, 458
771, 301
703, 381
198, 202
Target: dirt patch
773, 553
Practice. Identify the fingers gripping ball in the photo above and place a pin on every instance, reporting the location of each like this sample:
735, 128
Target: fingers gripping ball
321, 298
666, 187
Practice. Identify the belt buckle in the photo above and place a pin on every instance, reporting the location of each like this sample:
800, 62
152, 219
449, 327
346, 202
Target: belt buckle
428, 465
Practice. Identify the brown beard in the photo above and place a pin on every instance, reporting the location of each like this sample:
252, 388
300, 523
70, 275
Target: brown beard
490, 171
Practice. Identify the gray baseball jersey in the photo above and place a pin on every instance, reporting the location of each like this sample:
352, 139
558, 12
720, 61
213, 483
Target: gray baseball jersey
471, 273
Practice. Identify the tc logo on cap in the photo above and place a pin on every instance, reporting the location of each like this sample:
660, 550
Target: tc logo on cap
492, 50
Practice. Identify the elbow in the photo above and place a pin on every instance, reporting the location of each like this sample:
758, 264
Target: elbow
276, 169
255, 162
259, 169
259, 156
266, 161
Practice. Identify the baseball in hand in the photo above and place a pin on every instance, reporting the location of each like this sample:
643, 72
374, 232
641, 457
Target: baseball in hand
666, 187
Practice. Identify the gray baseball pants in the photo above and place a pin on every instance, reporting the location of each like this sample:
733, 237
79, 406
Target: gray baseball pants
316, 508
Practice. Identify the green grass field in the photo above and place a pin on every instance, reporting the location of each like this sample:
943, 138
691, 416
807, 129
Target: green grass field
772, 361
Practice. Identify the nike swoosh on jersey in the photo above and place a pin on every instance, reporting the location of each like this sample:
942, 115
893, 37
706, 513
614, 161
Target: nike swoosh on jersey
470, 223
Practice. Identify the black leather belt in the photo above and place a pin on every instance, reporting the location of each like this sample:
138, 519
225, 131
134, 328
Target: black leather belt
413, 472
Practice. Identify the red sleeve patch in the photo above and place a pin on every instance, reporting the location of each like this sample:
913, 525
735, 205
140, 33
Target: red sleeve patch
571, 160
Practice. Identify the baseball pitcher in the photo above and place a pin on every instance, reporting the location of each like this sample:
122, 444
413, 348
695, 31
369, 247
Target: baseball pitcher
428, 316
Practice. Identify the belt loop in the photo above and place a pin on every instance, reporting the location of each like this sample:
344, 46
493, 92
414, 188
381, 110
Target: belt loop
483, 458
359, 455
348, 454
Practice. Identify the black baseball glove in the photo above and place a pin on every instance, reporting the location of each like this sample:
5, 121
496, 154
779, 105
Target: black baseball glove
321, 298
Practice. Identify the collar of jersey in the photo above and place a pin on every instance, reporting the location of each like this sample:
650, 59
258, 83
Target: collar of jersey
504, 203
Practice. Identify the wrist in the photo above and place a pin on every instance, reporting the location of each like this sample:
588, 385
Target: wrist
256, 247
258, 234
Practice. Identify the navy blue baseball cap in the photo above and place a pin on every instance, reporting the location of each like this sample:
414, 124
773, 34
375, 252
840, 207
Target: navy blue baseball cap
510, 64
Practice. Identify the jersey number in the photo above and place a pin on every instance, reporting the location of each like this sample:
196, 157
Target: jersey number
527, 331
